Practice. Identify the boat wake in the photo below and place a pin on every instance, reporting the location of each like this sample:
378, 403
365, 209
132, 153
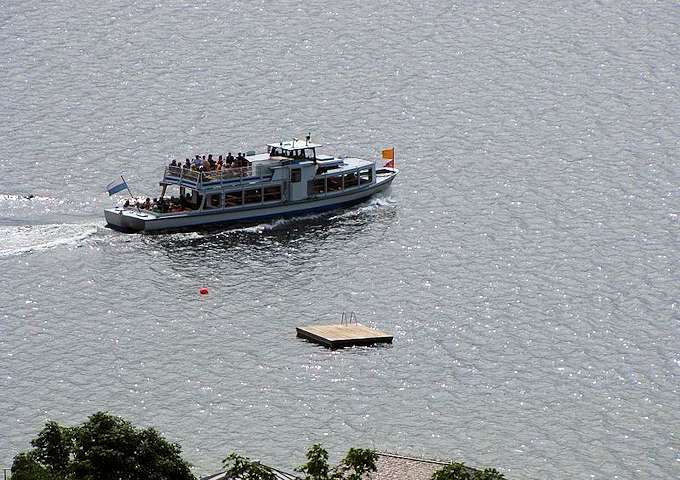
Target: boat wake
21, 239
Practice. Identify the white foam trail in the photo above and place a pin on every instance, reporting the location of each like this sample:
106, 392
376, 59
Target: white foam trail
19, 239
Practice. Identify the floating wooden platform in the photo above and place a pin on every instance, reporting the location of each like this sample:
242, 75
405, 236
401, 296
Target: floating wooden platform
339, 336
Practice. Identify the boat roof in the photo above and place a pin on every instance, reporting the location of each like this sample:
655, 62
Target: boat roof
294, 144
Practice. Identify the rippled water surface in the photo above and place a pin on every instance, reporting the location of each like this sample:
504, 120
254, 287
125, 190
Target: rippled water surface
526, 258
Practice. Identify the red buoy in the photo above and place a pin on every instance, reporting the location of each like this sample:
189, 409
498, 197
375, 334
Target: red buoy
203, 291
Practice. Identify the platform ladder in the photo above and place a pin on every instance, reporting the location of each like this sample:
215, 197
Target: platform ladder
347, 319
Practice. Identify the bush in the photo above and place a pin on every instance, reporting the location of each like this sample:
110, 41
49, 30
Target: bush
356, 463
243, 468
105, 447
488, 474
452, 471
458, 471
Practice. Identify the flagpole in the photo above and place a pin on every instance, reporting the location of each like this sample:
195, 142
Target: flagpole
128, 188
130, 192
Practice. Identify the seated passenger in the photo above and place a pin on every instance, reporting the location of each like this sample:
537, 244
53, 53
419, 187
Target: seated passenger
187, 164
173, 163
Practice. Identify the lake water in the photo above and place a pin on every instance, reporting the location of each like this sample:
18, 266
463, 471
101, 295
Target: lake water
526, 258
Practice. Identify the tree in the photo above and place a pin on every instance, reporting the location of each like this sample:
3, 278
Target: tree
452, 471
488, 474
25, 467
316, 467
105, 447
458, 471
356, 463
244, 468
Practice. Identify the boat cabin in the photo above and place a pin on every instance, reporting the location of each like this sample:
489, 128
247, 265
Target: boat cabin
288, 172
294, 150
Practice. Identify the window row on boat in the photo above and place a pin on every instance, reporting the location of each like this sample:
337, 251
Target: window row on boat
341, 181
250, 196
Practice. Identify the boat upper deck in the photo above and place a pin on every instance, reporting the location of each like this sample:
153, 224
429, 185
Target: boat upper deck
199, 180
261, 168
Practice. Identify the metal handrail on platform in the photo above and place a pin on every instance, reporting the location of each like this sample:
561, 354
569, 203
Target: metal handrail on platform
345, 320
194, 178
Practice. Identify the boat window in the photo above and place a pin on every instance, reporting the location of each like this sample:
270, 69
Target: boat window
366, 175
351, 179
309, 153
213, 201
233, 199
318, 185
334, 183
252, 196
272, 193
295, 175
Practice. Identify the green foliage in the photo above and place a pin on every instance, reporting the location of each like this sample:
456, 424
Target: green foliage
316, 467
52, 448
25, 467
458, 471
452, 471
244, 468
105, 447
356, 463
488, 474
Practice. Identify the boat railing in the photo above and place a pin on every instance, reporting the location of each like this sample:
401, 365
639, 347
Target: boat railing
210, 178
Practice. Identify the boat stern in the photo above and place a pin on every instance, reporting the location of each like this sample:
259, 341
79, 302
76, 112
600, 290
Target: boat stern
128, 221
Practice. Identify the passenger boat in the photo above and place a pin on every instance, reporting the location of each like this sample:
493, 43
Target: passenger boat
290, 179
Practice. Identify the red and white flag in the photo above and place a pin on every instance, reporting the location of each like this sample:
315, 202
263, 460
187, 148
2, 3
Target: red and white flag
388, 157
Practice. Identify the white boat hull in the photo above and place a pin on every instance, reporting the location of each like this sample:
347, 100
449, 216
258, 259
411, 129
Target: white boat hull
130, 220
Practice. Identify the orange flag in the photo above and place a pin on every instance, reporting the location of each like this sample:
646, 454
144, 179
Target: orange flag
388, 157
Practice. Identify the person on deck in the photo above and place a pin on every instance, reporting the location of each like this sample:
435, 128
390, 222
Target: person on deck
230, 159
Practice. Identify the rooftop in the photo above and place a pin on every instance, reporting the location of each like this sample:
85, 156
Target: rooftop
389, 467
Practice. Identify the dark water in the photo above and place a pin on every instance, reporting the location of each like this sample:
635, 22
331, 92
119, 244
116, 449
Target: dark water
526, 259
